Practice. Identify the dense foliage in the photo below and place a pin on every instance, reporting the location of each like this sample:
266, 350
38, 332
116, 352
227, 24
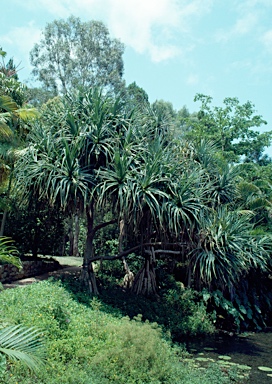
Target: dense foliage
171, 211
73, 54
85, 344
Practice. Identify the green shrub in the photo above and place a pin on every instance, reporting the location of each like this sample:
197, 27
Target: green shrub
86, 345
181, 312
189, 315
137, 354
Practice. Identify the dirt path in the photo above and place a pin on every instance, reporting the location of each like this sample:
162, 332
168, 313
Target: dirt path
65, 270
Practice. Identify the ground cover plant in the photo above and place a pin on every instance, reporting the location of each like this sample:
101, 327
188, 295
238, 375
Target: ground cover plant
85, 344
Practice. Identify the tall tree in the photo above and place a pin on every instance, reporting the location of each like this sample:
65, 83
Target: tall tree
75, 54
136, 97
232, 127
70, 143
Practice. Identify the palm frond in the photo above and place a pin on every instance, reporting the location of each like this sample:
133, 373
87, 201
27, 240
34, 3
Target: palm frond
23, 344
8, 252
8, 104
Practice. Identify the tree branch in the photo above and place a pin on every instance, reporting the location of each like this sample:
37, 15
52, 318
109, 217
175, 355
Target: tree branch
127, 252
102, 225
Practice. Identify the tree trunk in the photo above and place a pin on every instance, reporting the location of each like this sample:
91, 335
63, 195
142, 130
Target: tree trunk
145, 280
74, 234
129, 276
71, 236
5, 213
88, 279
87, 276
3, 222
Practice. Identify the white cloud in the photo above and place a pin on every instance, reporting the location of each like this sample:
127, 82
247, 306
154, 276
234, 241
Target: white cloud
243, 26
266, 39
147, 26
252, 15
152, 26
27, 36
60, 8
253, 3
192, 79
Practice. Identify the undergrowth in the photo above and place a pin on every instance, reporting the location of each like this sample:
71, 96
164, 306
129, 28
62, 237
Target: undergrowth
87, 344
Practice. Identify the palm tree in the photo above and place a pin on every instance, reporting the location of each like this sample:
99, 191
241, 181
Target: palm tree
23, 344
18, 342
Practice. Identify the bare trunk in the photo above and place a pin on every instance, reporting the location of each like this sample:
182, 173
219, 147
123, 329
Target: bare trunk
87, 276
5, 213
63, 246
129, 276
71, 236
88, 279
3, 222
145, 280
189, 281
74, 234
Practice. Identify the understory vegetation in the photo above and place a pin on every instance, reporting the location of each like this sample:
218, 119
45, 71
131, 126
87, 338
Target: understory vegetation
88, 341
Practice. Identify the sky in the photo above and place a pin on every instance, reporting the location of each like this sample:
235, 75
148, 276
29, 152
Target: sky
174, 49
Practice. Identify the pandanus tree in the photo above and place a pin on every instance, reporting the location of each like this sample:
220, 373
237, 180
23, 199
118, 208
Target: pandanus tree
226, 249
137, 184
64, 155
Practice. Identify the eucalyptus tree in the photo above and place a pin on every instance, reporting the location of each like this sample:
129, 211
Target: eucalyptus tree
74, 54
136, 97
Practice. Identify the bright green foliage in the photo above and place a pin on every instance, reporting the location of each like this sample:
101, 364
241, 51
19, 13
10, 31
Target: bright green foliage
74, 54
85, 345
231, 127
14, 120
165, 113
87, 151
91, 154
19, 343
254, 192
8, 252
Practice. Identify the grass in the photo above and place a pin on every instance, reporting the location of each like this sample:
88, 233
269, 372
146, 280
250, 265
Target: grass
71, 261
